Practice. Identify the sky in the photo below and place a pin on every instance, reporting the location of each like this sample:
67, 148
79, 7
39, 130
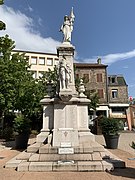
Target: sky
102, 28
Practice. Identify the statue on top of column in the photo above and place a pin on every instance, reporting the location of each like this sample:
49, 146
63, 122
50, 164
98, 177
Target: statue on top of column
67, 26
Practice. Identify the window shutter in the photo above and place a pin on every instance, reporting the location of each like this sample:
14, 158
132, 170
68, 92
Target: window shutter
99, 78
100, 93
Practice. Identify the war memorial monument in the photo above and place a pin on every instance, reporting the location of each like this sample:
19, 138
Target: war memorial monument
65, 142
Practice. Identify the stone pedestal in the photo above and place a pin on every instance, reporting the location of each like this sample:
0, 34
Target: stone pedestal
65, 136
48, 120
66, 116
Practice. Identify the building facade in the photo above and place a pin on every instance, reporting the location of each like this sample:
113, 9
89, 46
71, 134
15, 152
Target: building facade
95, 79
40, 62
117, 96
112, 90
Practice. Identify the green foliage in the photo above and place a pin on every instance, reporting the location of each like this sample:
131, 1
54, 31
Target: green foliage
2, 25
77, 83
18, 90
110, 126
21, 125
7, 90
93, 96
1, 2
52, 77
133, 145
8, 133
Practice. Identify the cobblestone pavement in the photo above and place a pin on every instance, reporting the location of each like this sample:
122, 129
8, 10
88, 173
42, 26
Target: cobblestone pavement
124, 152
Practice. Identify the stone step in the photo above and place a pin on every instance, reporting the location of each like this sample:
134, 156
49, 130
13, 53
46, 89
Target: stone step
57, 157
24, 156
34, 148
62, 166
96, 146
14, 162
91, 162
48, 149
88, 147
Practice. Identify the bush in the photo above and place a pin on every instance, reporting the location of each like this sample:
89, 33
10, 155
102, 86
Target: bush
8, 133
21, 125
110, 126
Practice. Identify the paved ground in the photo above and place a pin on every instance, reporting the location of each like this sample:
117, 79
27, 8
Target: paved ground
124, 152
125, 140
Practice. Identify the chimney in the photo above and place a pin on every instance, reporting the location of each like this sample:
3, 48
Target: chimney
99, 60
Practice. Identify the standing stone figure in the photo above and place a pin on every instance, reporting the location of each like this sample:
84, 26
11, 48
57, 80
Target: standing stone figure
64, 74
67, 27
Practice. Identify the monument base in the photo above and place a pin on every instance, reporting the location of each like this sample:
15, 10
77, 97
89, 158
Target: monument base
88, 156
65, 135
86, 137
44, 136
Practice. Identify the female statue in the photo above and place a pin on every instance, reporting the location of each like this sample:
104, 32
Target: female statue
67, 27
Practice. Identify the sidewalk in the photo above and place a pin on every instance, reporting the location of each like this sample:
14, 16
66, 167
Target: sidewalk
121, 174
125, 140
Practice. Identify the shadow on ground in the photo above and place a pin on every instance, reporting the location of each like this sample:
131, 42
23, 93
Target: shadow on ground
127, 172
8, 144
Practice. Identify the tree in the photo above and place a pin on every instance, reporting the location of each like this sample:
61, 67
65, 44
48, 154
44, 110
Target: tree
1, 2
93, 96
18, 90
2, 24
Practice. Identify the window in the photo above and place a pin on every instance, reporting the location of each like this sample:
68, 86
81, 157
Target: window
100, 93
86, 78
34, 74
114, 93
49, 61
41, 61
33, 60
113, 80
56, 61
99, 77
118, 109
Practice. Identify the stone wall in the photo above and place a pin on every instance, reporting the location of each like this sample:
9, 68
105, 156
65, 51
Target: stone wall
122, 94
92, 83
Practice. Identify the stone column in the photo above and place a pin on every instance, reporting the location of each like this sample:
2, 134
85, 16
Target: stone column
66, 51
48, 120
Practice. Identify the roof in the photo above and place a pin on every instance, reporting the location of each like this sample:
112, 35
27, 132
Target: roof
88, 65
120, 81
33, 52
